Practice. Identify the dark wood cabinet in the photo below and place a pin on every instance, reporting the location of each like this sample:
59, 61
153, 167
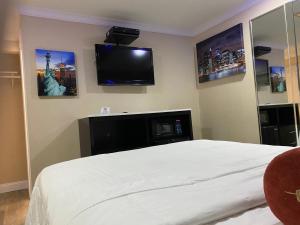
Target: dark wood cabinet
278, 124
121, 132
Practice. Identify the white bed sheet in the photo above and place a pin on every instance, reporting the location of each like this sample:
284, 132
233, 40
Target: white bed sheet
187, 183
257, 216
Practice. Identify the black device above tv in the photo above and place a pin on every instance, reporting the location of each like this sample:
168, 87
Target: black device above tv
261, 50
121, 65
121, 35
262, 72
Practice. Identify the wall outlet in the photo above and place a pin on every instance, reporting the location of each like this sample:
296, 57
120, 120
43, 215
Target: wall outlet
105, 110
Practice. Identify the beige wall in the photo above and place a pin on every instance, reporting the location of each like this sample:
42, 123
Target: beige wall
10, 47
12, 137
52, 123
228, 106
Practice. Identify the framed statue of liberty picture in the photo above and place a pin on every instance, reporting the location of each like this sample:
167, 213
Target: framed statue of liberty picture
56, 73
277, 77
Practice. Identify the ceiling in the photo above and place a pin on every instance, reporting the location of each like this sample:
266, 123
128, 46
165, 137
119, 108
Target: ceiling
188, 17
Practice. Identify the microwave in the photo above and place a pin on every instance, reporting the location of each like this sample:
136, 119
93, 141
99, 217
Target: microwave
166, 128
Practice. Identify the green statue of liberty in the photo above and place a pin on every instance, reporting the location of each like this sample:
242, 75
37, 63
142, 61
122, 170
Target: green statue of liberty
51, 86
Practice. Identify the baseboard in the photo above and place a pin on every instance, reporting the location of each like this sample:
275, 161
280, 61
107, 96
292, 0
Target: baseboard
15, 186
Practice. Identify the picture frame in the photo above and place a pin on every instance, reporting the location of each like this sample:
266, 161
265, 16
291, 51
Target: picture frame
222, 55
56, 73
277, 79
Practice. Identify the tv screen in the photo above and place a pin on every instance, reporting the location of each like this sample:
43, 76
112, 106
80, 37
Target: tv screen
262, 72
120, 65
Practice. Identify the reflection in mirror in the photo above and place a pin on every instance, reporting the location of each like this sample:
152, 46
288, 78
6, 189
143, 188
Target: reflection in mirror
270, 44
274, 80
293, 30
293, 25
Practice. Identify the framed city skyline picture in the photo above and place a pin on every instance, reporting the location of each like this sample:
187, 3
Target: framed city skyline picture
56, 73
222, 55
277, 78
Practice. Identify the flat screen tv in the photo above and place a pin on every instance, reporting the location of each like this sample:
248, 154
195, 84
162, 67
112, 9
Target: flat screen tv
120, 65
262, 72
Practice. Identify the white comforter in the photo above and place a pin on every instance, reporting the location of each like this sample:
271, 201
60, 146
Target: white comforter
187, 183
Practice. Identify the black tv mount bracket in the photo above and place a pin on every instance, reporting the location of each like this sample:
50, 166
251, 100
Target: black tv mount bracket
121, 35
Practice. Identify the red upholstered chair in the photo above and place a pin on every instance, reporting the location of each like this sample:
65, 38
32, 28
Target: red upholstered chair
282, 187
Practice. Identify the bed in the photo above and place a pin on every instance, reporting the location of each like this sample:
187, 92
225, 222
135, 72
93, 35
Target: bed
257, 216
187, 183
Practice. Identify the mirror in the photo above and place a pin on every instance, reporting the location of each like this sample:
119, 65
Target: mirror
270, 44
275, 81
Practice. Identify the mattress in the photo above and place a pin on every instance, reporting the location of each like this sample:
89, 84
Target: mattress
187, 183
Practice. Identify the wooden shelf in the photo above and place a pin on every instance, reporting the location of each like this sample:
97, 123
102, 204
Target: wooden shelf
10, 75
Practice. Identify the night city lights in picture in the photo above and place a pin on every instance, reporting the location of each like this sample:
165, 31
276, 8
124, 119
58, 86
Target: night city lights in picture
222, 55
56, 73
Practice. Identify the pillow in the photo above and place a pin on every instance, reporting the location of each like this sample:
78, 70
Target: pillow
282, 187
